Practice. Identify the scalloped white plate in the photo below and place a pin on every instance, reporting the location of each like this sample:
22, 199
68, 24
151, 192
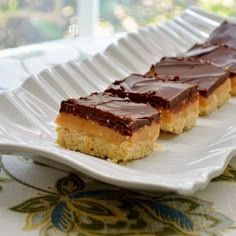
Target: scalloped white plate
189, 161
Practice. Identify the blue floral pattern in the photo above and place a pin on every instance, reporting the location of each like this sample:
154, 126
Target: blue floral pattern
92, 208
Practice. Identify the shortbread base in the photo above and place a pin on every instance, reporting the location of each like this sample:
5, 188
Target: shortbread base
217, 99
91, 138
184, 118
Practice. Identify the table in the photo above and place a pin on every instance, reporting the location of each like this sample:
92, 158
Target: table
40, 200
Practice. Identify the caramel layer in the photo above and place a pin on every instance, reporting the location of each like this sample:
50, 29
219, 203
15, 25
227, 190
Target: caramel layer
93, 129
233, 85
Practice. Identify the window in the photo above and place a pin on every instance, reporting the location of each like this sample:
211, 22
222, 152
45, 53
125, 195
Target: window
31, 21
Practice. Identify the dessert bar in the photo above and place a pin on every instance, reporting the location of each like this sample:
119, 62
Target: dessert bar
178, 103
225, 34
213, 83
218, 55
109, 127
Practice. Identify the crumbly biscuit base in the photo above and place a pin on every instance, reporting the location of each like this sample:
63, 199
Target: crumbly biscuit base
91, 138
233, 85
184, 118
217, 99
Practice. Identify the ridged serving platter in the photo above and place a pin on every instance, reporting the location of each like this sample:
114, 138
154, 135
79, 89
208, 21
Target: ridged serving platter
188, 161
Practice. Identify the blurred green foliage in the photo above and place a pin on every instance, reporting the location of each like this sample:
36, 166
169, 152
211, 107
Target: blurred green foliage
54, 18
220, 8
145, 12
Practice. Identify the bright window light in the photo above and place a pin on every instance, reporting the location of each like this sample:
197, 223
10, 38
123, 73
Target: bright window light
25, 22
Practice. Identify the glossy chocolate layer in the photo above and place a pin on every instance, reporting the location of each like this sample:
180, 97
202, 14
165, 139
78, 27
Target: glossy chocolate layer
207, 77
158, 93
221, 56
119, 114
224, 34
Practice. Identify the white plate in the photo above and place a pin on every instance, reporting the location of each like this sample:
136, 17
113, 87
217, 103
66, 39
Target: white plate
188, 161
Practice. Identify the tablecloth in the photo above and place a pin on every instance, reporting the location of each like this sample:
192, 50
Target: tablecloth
40, 200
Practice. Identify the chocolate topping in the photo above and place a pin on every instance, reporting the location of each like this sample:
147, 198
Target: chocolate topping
119, 114
158, 93
221, 56
199, 50
207, 77
224, 34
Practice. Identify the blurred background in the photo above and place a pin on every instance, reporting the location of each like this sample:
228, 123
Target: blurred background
24, 22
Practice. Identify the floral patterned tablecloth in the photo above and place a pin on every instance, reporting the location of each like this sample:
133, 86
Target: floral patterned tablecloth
40, 200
